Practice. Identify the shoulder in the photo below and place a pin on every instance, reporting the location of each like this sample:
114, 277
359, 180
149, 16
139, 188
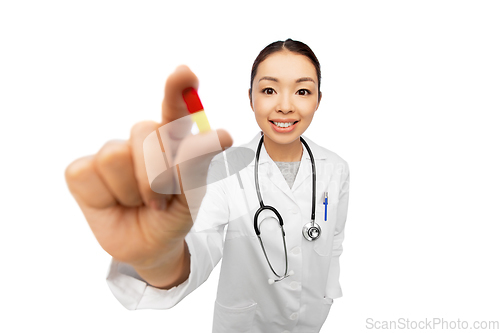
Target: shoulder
329, 156
233, 159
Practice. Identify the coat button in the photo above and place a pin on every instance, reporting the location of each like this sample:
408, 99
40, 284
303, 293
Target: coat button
294, 316
296, 250
293, 211
294, 285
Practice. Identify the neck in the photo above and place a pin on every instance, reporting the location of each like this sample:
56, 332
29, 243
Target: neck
291, 152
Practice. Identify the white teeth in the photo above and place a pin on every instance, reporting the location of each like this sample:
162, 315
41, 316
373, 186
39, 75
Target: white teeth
282, 124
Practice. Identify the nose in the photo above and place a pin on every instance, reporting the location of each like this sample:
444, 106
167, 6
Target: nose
285, 104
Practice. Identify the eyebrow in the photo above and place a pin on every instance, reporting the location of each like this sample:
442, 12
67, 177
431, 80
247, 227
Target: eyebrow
302, 79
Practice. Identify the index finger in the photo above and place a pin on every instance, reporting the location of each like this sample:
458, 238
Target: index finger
173, 106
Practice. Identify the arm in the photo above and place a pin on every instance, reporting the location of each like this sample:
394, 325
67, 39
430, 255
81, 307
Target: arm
133, 292
173, 272
333, 286
203, 246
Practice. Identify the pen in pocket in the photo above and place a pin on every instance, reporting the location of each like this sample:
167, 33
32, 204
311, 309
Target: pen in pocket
326, 204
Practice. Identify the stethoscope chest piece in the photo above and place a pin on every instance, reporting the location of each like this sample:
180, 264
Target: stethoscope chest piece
311, 231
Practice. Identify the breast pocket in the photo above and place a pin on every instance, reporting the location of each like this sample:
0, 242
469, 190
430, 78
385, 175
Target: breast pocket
324, 244
235, 320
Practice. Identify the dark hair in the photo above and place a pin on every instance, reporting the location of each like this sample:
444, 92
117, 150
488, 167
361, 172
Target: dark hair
292, 46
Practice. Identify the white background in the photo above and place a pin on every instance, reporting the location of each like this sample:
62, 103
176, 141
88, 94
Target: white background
410, 100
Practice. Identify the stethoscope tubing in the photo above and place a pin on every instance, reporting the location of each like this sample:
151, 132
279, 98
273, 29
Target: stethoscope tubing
257, 187
275, 211
313, 210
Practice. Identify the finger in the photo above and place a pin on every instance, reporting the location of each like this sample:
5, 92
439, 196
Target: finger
225, 138
115, 166
86, 185
137, 135
194, 157
202, 144
173, 106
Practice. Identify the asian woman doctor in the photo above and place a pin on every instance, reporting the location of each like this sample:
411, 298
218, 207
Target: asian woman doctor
284, 213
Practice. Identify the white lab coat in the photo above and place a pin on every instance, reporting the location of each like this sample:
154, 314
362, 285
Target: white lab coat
245, 301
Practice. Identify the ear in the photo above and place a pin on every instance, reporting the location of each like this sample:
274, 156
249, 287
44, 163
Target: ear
250, 97
319, 99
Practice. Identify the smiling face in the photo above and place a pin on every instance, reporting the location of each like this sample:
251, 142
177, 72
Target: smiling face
284, 96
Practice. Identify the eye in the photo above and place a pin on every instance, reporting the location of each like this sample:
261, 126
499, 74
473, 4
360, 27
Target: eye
303, 92
268, 91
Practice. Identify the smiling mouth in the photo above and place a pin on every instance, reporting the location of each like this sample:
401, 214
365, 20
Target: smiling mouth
284, 125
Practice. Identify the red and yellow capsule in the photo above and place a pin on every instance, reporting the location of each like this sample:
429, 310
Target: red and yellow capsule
196, 110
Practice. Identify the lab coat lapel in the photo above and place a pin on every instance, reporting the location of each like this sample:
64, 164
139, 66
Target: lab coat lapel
268, 170
305, 168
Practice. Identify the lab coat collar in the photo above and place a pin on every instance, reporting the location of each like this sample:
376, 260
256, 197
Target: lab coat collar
273, 172
318, 152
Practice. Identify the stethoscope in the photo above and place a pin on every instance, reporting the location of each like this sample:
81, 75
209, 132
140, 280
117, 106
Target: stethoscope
311, 231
